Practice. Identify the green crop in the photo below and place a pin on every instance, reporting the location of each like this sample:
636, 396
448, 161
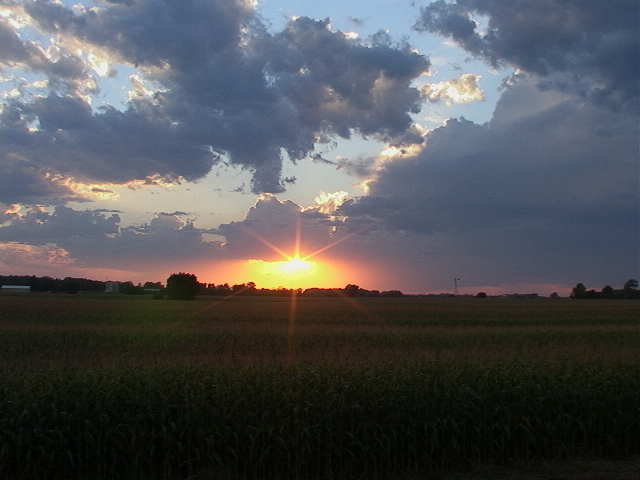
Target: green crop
112, 388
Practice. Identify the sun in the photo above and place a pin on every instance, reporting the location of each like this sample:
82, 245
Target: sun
294, 272
295, 266
293, 269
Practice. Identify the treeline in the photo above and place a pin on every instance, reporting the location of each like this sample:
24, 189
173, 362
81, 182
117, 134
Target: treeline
74, 285
54, 285
350, 291
628, 291
250, 289
186, 282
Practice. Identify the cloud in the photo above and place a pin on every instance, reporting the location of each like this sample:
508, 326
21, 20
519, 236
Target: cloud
63, 68
39, 226
9, 212
211, 83
588, 48
19, 254
546, 191
329, 203
177, 213
69, 242
457, 90
23, 182
273, 229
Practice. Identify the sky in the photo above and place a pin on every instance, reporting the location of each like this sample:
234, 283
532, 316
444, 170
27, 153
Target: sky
390, 144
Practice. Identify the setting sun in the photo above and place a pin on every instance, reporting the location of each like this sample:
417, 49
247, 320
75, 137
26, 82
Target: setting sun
295, 266
292, 273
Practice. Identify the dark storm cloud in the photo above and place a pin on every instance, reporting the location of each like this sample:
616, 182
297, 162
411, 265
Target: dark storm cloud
111, 146
548, 188
30, 55
96, 238
339, 85
547, 191
586, 47
21, 182
150, 32
38, 226
225, 87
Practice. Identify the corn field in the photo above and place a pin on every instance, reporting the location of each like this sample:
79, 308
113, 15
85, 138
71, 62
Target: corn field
96, 388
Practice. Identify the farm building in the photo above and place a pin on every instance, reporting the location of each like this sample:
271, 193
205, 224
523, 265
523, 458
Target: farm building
15, 288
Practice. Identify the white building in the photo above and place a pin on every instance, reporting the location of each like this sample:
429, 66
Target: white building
16, 288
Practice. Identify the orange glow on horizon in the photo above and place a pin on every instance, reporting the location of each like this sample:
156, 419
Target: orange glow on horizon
273, 273
295, 272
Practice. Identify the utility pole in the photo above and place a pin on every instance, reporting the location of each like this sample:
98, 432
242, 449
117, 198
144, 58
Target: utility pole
455, 288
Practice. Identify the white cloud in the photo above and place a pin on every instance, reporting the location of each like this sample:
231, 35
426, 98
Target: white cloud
464, 89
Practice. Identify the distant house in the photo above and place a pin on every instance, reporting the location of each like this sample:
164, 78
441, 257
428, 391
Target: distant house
16, 288
112, 287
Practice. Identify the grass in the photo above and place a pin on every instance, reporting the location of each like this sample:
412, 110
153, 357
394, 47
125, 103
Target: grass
571, 469
409, 388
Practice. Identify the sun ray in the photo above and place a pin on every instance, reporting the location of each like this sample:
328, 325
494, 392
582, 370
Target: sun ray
352, 234
299, 269
298, 234
266, 243
291, 326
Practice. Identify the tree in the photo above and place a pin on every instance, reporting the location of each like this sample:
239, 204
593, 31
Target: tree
391, 293
607, 291
128, 288
579, 291
592, 294
352, 290
182, 286
629, 289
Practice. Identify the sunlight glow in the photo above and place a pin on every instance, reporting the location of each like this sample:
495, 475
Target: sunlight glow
295, 266
291, 268
85, 190
292, 273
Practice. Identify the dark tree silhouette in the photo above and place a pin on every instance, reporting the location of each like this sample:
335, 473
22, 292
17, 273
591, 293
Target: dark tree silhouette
182, 286
128, 288
352, 290
607, 291
629, 289
579, 291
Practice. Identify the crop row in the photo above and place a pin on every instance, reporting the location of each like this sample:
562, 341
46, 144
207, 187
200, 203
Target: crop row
380, 420
142, 312
81, 348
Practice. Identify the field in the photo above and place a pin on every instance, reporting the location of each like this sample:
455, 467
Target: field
115, 387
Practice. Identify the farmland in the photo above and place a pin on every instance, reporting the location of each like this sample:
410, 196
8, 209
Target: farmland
100, 387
